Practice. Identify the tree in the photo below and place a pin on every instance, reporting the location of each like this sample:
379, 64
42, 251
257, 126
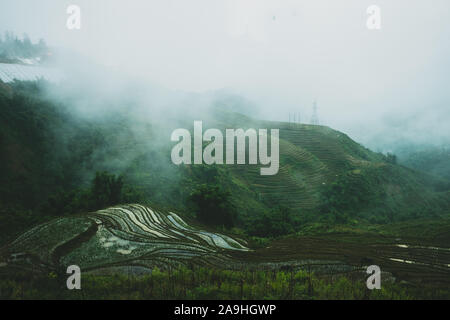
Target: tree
276, 222
26, 46
391, 158
106, 190
213, 205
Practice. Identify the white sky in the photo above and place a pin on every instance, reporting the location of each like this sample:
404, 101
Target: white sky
282, 54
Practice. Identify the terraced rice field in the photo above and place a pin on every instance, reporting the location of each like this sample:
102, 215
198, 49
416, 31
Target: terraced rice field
141, 238
130, 235
311, 157
10, 72
340, 253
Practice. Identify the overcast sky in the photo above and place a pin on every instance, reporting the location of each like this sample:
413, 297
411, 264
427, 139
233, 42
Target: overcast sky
282, 54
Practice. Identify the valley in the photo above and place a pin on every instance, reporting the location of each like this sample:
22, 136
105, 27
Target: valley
102, 196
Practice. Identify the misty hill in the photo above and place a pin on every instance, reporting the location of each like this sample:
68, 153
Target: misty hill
50, 157
22, 51
434, 160
322, 170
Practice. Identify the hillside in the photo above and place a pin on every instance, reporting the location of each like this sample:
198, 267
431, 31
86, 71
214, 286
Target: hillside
68, 182
49, 155
324, 175
433, 160
118, 236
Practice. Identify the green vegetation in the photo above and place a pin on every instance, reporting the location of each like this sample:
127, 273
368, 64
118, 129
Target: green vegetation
433, 160
211, 199
55, 162
207, 283
106, 190
213, 205
276, 222
331, 198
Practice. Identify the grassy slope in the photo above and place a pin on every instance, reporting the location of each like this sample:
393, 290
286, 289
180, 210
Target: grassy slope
311, 159
314, 157
40, 136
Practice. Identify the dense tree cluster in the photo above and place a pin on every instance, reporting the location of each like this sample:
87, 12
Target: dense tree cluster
12, 48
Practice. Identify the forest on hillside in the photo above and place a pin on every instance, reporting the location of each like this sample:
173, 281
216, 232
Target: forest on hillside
12, 48
55, 164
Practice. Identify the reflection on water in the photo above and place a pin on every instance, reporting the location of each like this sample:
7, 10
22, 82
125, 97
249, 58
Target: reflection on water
421, 247
404, 261
435, 249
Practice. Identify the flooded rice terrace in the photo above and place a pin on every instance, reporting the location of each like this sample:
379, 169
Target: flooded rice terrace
134, 238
